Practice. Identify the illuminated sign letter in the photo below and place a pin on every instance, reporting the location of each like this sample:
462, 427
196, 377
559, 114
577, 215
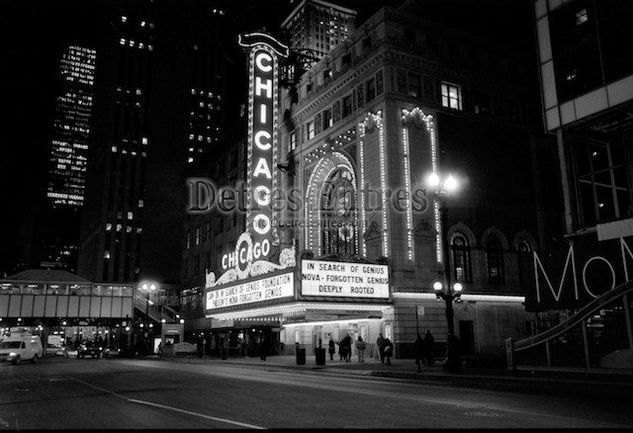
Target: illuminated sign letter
264, 53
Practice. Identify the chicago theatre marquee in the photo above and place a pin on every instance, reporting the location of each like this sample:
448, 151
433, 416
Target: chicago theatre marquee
263, 280
342, 257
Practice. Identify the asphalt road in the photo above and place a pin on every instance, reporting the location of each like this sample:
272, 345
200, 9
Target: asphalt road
60, 393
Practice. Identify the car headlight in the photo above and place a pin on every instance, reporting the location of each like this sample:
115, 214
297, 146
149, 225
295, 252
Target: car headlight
12, 355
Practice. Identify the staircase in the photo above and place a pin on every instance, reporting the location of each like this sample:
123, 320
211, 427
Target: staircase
157, 313
576, 327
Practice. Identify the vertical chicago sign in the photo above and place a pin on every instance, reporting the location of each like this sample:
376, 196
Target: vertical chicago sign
262, 179
258, 246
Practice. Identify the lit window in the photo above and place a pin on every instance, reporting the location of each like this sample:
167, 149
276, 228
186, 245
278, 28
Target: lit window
142, 23
144, 140
311, 131
451, 96
106, 254
108, 227
128, 229
119, 227
293, 140
141, 203
130, 215
122, 41
114, 149
123, 18
581, 16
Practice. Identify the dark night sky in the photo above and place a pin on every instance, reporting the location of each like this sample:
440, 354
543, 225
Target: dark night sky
34, 33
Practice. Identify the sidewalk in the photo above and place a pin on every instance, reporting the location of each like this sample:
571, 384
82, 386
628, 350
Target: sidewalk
534, 380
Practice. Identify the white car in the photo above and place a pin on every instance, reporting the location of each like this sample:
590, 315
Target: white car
22, 348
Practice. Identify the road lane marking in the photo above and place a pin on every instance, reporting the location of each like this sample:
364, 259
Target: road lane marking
465, 403
175, 409
162, 406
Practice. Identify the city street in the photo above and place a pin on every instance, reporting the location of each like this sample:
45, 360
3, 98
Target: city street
66, 393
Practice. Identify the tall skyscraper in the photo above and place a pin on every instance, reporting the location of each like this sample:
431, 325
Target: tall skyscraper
71, 127
208, 80
318, 26
68, 158
112, 223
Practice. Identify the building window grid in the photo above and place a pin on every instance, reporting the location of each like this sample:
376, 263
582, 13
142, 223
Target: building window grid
604, 188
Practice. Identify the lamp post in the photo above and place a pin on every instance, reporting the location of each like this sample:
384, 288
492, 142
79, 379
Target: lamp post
148, 287
444, 290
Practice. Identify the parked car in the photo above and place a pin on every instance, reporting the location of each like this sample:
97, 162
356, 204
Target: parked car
184, 349
112, 352
91, 348
16, 349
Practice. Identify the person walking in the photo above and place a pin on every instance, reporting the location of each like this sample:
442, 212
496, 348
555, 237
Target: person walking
341, 349
429, 342
348, 348
387, 350
331, 349
419, 351
360, 348
378, 348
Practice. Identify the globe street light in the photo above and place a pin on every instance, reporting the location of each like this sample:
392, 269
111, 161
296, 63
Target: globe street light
448, 295
148, 287
441, 188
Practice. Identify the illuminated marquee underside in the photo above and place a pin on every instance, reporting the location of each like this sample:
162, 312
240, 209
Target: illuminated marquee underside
295, 308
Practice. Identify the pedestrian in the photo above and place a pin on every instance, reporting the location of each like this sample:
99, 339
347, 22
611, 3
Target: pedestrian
429, 342
387, 349
331, 349
341, 349
262, 348
160, 349
419, 352
360, 348
378, 348
348, 348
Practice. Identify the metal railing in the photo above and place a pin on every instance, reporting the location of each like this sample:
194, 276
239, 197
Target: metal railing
155, 312
578, 319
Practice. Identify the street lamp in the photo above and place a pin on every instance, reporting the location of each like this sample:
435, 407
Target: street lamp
441, 188
448, 295
148, 287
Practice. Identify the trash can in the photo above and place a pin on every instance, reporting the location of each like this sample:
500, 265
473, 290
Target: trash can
301, 356
320, 356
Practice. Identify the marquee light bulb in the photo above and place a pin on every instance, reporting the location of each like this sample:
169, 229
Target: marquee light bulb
451, 183
433, 180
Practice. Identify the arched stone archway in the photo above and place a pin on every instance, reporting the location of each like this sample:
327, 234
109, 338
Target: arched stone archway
319, 183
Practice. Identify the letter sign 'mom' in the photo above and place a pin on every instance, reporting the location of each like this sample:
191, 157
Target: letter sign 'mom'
263, 104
